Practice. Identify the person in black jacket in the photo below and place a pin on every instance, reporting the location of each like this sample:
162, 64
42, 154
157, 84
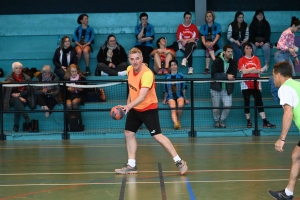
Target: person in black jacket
112, 59
64, 56
223, 68
259, 36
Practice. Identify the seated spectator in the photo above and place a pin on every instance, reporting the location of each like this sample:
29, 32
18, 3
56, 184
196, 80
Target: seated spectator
46, 96
16, 96
64, 56
259, 36
286, 45
112, 59
238, 34
75, 95
174, 94
162, 56
249, 66
83, 38
210, 33
224, 67
144, 36
187, 36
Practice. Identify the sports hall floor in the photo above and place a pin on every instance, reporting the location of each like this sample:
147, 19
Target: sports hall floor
227, 168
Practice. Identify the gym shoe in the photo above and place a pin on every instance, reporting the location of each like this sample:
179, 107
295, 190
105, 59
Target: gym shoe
176, 125
160, 71
279, 195
265, 68
166, 71
182, 166
217, 124
122, 73
222, 124
103, 73
267, 124
127, 169
206, 71
46, 108
190, 70
249, 123
87, 71
183, 62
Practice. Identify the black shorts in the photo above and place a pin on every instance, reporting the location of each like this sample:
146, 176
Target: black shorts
150, 118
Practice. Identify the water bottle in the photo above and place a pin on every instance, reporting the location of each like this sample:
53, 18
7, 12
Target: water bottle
58, 41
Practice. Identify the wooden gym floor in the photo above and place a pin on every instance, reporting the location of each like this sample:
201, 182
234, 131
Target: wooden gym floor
219, 168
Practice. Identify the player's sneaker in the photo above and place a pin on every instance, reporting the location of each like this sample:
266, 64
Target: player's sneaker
279, 195
127, 169
183, 62
182, 166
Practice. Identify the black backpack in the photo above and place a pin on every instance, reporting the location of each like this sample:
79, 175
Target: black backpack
74, 122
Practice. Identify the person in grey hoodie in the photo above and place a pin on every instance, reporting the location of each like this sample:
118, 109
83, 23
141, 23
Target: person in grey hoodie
223, 68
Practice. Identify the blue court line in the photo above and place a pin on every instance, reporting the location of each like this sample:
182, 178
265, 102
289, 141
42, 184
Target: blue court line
190, 189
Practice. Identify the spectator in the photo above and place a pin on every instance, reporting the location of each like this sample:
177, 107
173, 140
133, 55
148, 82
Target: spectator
112, 58
249, 66
286, 45
174, 94
162, 56
224, 67
75, 95
17, 96
46, 96
84, 37
259, 36
238, 34
64, 56
144, 36
210, 33
187, 36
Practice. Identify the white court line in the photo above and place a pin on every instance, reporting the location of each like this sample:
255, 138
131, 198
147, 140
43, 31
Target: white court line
190, 171
167, 182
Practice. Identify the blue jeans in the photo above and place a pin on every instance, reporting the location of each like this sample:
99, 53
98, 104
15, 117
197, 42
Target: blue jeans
237, 51
280, 56
266, 49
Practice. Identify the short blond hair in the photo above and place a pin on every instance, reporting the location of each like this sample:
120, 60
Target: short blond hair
16, 64
134, 51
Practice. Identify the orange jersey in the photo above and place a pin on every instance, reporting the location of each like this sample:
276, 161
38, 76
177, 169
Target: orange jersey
145, 78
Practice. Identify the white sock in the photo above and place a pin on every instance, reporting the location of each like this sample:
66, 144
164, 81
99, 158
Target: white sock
289, 193
177, 158
131, 162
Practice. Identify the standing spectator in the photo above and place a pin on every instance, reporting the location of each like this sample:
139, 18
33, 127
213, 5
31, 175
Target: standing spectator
224, 67
162, 56
84, 37
289, 99
46, 96
249, 66
286, 44
210, 33
259, 36
187, 36
17, 96
64, 56
112, 58
174, 94
75, 95
238, 34
144, 36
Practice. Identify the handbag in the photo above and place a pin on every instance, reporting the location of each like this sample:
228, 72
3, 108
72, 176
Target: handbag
95, 95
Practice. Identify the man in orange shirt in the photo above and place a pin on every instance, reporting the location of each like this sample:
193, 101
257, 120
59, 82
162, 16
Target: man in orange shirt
142, 107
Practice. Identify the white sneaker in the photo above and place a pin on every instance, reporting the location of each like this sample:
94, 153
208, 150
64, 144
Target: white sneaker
103, 73
190, 70
265, 68
183, 62
122, 73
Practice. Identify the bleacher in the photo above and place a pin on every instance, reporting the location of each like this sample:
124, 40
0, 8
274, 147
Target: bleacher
32, 40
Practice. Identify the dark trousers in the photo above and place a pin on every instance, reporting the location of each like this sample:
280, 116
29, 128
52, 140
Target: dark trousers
43, 100
111, 71
257, 98
18, 106
146, 50
60, 73
189, 48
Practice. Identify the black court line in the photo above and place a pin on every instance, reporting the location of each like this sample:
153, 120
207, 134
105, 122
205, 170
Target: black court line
162, 183
122, 192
